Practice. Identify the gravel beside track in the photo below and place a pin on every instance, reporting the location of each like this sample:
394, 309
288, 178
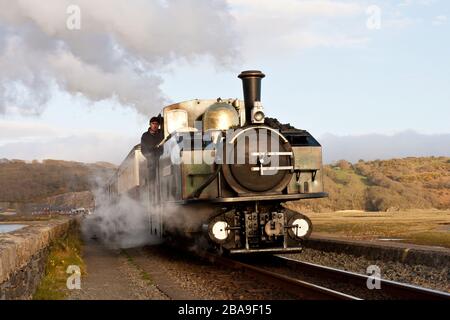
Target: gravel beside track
111, 276
185, 276
421, 275
161, 273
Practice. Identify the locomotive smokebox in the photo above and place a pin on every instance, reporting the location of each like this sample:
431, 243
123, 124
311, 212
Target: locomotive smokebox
252, 91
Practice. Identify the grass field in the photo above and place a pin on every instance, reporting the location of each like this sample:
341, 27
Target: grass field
426, 227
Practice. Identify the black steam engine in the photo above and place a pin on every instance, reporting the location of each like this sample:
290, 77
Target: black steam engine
223, 172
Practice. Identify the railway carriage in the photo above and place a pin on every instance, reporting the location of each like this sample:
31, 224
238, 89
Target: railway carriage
223, 173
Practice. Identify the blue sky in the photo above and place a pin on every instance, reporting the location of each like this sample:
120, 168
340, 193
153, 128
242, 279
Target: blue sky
327, 72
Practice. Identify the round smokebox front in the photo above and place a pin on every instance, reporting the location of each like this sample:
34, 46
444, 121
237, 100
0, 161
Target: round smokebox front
258, 160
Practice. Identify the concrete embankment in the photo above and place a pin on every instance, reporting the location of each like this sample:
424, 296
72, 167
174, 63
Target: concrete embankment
398, 252
23, 255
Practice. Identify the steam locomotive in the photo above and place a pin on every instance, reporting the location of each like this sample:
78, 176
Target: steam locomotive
223, 172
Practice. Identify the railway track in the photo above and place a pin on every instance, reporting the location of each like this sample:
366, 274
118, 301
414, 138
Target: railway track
312, 281
299, 288
387, 288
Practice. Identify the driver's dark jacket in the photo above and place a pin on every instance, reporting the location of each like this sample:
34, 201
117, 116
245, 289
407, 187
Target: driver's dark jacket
149, 143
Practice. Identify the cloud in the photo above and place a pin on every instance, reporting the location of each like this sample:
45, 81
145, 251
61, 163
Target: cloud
310, 40
400, 22
294, 9
407, 3
275, 26
402, 15
119, 52
377, 146
440, 20
87, 147
15, 130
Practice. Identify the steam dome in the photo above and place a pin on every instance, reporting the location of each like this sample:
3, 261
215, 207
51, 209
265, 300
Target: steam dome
220, 116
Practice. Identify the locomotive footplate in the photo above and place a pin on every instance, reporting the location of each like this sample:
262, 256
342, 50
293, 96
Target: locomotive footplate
242, 199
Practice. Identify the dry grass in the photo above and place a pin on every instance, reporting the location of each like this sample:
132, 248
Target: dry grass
388, 185
427, 227
30, 182
63, 253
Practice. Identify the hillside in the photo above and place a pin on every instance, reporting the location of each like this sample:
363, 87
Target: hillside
385, 185
29, 182
381, 185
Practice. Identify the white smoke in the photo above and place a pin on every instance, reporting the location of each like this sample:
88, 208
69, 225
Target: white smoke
122, 222
118, 53
119, 223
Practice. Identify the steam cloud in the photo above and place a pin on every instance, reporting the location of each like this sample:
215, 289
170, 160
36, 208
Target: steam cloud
122, 223
118, 53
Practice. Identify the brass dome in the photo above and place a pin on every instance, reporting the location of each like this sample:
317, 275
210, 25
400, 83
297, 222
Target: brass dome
220, 116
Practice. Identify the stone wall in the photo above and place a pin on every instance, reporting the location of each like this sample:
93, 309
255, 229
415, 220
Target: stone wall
23, 255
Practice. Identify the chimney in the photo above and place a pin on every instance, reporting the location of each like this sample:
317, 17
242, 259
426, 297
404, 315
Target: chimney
251, 81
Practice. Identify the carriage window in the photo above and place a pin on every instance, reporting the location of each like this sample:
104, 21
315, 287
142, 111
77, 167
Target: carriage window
176, 119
